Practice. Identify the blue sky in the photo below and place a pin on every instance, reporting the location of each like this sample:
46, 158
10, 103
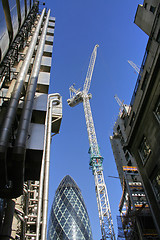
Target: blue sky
79, 26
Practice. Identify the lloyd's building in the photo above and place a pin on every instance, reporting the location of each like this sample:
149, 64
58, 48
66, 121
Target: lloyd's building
28, 117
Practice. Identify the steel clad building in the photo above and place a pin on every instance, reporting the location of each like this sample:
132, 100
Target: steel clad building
28, 115
69, 218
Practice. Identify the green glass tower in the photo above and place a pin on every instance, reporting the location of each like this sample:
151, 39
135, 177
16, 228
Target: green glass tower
69, 218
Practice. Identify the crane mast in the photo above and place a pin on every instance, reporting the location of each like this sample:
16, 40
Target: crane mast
76, 97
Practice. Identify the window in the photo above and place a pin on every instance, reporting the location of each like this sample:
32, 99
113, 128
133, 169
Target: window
157, 110
144, 149
156, 185
145, 5
124, 149
158, 37
127, 156
132, 119
152, 9
118, 128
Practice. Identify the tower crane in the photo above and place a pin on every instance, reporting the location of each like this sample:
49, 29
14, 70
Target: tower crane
136, 68
76, 97
121, 104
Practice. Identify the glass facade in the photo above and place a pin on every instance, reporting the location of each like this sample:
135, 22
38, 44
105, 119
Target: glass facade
69, 218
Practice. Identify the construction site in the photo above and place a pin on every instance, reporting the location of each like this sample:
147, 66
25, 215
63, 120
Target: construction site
31, 116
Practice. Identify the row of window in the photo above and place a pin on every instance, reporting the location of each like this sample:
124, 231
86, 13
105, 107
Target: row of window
144, 150
144, 147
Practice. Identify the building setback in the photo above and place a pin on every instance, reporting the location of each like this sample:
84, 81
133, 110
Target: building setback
26, 113
141, 122
69, 218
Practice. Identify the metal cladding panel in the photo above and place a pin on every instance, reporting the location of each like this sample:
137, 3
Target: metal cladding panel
52, 18
50, 31
4, 38
51, 24
14, 16
49, 39
44, 78
48, 48
46, 61
40, 102
43, 82
22, 6
46, 64
36, 136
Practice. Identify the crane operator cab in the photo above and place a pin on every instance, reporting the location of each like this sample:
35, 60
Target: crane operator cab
77, 98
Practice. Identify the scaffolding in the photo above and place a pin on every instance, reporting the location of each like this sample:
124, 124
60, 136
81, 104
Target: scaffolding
135, 221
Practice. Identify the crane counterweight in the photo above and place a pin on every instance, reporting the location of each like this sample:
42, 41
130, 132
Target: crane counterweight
76, 97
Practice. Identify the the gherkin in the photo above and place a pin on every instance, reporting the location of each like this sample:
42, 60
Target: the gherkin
69, 218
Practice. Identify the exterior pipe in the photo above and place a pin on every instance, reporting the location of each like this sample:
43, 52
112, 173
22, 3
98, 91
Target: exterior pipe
13, 104
44, 175
22, 133
29, 99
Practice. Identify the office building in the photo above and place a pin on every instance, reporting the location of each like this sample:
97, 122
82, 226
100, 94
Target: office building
27, 118
135, 220
141, 122
69, 218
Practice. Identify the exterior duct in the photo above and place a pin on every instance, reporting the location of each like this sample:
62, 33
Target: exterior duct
44, 175
11, 112
20, 144
29, 98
